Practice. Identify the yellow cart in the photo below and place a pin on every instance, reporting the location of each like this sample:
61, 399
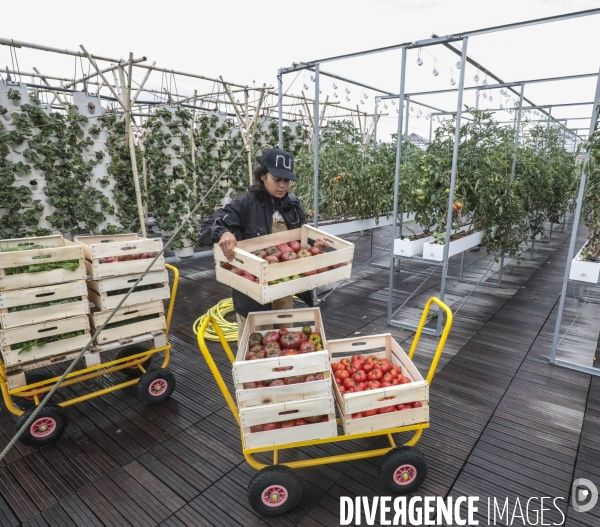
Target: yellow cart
275, 489
154, 386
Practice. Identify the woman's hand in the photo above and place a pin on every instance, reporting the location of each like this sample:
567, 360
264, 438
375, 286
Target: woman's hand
227, 243
321, 243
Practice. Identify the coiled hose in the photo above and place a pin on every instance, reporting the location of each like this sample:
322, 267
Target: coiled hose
218, 312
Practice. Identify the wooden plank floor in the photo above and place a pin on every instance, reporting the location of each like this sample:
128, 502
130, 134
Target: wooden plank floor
504, 423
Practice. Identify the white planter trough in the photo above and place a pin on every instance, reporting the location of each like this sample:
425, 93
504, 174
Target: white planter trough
184, 252
410, 247
433, 251
583, 271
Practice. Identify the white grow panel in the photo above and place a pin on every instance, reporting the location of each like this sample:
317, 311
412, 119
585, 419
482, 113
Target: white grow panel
409, 247
433, 251
584, 271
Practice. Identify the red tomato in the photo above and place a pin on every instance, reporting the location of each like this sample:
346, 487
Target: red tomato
336, 366
385, 366
375, 375
342, 374
403, 380
357, 415
271, 426
300, 422
396, 368
393, 373
373, 385
386, 409
369, 413
257, 428
386, 384
401, 407
345, 362
358, 358
360, 376
387, 378
325, 419
342, 389
358, 388
395, 382
367, 367
338, 381
353, 368
372, 359
288, 424
417, 404
350, 383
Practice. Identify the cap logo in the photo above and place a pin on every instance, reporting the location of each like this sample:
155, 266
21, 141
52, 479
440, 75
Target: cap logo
289, 165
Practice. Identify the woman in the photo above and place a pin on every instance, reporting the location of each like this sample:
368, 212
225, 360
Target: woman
266, 208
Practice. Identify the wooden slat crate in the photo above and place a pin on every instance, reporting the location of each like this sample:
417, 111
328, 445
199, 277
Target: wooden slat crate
132, 316
245, 371
382, 346
99, 290
279, 412
341, 252
99, 248
50, 353
9, 300
56, 249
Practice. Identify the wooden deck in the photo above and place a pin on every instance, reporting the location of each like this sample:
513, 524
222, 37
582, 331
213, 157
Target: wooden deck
504, 423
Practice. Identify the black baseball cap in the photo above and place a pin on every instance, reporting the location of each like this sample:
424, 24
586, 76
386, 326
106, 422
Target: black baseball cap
280, 163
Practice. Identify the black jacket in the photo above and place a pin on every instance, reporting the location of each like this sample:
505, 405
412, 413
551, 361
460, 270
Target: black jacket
249, 216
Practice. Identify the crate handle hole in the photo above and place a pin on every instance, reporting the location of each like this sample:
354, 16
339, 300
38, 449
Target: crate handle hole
359, 343
129, 248
387, 398
131, 312
285, 316
283, 368
132, 280
289, 412
26, 244
42, 256
107, 241
47, 329
46, 294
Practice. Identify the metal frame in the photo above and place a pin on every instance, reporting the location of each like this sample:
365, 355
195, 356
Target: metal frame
401, 96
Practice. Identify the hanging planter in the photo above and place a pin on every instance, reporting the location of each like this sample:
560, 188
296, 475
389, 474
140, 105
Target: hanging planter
462, 242
583, 270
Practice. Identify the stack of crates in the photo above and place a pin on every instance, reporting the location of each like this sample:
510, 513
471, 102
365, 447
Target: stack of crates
114, 263
43, 303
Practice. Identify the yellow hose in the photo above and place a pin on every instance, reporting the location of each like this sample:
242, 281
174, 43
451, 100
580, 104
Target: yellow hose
218, 312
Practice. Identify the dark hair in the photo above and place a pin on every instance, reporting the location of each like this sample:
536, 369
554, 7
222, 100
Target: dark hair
258, 187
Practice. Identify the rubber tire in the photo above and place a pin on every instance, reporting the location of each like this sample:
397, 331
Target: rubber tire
143, 386
394, 459
134, 349
31, 377
274, 475
50, 410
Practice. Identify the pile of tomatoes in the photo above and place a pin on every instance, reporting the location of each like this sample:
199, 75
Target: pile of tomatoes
127, 257
290, 423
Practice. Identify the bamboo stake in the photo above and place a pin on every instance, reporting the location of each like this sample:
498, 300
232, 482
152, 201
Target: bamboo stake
54, 92
93, 62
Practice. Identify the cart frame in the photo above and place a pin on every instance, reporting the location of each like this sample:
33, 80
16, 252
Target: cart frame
38, 389
250, 452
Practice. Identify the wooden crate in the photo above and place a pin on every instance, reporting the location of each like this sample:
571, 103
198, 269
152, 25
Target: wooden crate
134, 326
38, 295
278, 412
382, 346
56, 249
97, 248
50, 353
341, 252
98, 290
264, 369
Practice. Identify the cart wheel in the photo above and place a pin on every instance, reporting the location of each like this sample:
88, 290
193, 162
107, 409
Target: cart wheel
274, 490
24, 403
46, 428
156, 386
134, 350
402, 470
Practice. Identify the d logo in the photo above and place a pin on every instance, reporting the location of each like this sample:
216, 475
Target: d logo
580, 495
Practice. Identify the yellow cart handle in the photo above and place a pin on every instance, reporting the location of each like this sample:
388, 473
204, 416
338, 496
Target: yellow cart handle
441, 344
175, 272
211, 363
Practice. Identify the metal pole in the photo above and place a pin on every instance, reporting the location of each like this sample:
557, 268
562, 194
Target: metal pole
316, 148
477, 99
576, 218
547, 130
401, 101
280, 104
375, 119
517, 130
430, 127
397, 180
461, 84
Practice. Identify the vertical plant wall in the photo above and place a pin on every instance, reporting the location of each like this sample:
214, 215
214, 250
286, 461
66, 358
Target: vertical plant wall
167, 150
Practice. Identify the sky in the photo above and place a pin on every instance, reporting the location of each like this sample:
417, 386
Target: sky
248, 41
